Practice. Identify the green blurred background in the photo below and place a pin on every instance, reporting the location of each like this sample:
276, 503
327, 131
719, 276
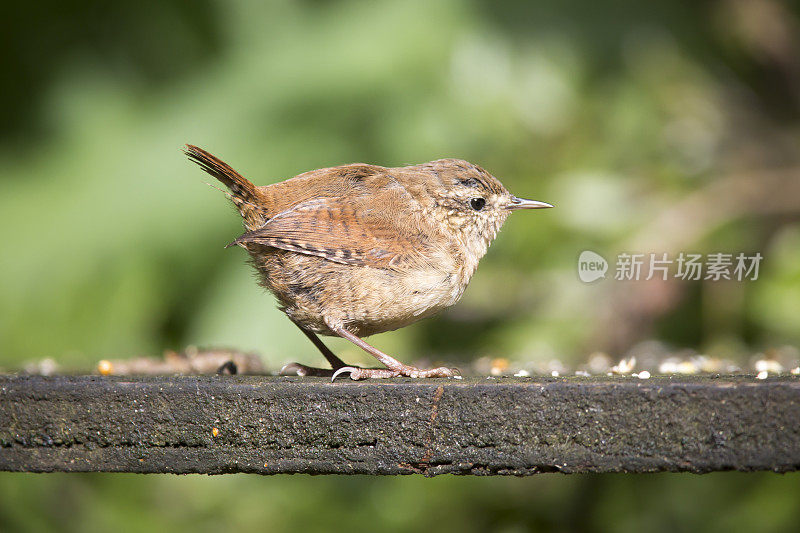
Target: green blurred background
660, 126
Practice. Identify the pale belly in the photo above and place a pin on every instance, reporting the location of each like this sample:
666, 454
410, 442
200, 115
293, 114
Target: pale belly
318, 294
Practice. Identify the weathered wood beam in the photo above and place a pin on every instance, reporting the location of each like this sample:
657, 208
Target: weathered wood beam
270, 425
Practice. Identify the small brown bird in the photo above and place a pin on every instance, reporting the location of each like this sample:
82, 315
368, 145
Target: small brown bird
360, 249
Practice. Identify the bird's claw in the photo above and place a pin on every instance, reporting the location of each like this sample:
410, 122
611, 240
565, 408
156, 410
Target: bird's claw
346, 369
297, 369
357, 373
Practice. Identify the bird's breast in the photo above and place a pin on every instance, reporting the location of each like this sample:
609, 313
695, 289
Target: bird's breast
368, 300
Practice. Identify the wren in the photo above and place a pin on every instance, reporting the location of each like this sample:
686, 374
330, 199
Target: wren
359, 249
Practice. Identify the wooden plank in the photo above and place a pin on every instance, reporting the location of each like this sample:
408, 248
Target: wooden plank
518, 426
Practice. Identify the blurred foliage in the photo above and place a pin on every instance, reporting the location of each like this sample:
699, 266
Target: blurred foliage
652, 126
666, 503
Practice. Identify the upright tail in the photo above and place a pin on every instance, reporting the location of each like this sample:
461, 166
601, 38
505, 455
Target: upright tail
243, 193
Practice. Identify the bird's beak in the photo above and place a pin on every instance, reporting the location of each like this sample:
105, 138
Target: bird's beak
521, 203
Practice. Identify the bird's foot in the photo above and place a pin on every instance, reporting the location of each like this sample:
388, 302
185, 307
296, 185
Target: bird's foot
357, 373
297, 369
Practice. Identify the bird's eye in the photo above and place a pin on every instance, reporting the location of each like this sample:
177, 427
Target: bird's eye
477, 203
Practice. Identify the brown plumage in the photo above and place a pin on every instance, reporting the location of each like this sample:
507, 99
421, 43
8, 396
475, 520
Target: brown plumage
360, 249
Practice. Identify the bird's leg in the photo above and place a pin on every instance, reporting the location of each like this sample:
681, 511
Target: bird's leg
326, 352
297, 369
394, 367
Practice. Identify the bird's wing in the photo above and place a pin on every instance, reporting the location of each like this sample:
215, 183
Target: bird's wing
352, 232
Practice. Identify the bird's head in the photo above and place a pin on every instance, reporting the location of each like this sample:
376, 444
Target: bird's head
473, 202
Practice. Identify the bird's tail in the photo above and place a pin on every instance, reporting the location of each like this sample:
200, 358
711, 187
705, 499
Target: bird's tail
243, 193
